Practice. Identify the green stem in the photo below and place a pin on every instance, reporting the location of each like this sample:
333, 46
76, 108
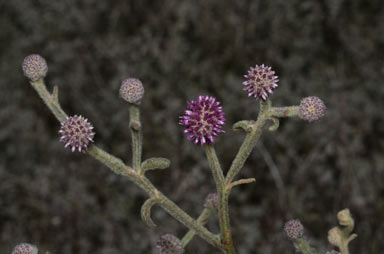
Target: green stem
248, 143
344, 249
135, 127
117, 166
284, 111
225, 228
304, 246
50, 100
203, 218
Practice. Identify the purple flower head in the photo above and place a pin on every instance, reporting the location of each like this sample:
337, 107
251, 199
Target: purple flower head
76, 132
261, 81
203, 120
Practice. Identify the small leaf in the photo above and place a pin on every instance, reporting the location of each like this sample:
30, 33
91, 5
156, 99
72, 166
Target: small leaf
155, 163
146, 211
275, 125
246, 125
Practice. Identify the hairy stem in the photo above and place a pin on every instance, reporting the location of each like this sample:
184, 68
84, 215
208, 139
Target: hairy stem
248, 143
304, 247
203, 218
117, 166
225, 228
284, 111
137, 143
49, 100
344, 249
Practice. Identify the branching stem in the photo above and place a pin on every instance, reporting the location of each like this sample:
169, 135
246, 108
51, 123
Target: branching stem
225, 227
117, 166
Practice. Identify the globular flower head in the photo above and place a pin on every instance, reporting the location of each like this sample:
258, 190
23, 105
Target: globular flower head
311, 109
203, 120
76, 132
294, 229
35, 67
132, 90
169, 244
211, 201
25, 248
261, 81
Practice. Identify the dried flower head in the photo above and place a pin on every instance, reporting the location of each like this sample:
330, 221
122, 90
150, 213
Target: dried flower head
203, 120
211, 201
260, 82
311, 109
294, 229
169, 244
35, 67
25, 248
76, 132
132, 90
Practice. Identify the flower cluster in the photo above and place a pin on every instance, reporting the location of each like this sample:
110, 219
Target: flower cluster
76, 132
260, 82
203, 119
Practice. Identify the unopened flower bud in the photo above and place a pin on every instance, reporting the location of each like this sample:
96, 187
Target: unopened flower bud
35, 67
335, 236
169, 244
311, 109
294, 229
132, 90
345, 218
211, 201
25, 248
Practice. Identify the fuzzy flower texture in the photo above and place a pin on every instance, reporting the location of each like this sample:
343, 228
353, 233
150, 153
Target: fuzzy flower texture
76, 132
25, 248
169, 244
311, 109
35, 67
203, 120
294, 229
261, 81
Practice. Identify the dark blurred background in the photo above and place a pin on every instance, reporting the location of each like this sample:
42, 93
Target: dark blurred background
68, 203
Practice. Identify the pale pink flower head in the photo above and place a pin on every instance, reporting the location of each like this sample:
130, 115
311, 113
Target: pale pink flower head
35, 67
294, 229
312, 109
132, 90
169, 244
261, 81
203, 120
25, 248
76, 133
